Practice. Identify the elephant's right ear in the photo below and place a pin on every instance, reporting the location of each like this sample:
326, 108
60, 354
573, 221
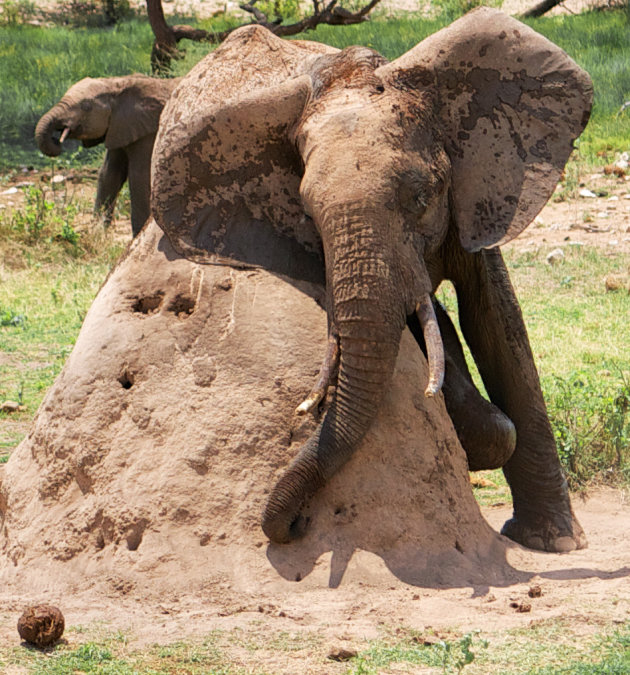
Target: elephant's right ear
511, 104
226, 186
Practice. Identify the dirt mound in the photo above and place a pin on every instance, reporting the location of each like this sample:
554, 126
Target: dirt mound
150, 459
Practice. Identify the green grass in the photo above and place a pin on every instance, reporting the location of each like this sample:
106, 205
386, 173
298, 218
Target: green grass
37, 65
544, 647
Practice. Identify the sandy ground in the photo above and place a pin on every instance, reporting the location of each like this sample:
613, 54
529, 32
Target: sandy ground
588, 588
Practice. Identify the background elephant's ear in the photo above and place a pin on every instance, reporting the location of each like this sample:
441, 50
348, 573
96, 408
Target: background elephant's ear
512, 104
225, 184
136, 109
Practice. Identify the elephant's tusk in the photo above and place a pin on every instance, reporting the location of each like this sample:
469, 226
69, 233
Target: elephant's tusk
328, 367
64, 135
435, 348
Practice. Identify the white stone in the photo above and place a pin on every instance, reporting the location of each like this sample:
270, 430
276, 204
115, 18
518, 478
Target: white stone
585, 192
557, 255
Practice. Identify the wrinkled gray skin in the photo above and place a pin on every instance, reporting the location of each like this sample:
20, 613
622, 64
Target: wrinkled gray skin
385, 179
122, 112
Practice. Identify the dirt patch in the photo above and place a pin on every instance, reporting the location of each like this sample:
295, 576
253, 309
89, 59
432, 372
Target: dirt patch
589, 588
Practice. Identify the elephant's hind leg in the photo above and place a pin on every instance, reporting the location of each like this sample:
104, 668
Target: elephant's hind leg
486, 434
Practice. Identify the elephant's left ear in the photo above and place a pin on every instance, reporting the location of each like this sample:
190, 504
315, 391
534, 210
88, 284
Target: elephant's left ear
512, 103
136, 110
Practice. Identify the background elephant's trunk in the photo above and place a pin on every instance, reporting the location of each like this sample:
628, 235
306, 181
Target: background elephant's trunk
369, 315
47, 127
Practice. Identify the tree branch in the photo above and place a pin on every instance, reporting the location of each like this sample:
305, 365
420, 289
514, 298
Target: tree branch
167, 37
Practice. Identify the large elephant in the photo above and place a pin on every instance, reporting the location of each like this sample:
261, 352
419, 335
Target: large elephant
122, 112
385, 179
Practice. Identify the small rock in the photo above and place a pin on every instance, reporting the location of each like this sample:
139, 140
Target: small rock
585, 192
341, 654
41, 625
603, 214
535, 591
614, 198
10, 191
556, 256
481, 482
613, 242
58, 178
617, 282
618, 169
521, 607
11, 407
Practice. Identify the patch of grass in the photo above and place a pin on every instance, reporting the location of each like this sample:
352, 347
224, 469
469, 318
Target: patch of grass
51, 269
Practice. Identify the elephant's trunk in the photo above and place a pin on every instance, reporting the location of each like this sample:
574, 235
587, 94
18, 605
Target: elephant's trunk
369, 315
47, 127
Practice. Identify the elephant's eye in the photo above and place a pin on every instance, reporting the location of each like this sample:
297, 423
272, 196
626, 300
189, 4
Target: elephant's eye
86, 106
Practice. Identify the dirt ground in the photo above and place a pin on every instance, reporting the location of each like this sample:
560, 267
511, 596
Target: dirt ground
599, 217
588, 588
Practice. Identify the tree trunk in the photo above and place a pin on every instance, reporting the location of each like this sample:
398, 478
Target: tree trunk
541, 8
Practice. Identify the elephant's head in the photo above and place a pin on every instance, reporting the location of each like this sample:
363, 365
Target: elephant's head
114, 110
468, 131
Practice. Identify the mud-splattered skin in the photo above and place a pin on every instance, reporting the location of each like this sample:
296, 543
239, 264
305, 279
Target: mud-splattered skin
382, 179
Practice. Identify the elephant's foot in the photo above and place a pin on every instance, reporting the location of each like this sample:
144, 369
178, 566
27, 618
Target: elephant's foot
326, 375
560, 533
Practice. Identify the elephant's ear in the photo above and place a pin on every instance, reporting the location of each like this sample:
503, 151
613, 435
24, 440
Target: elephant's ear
136, 109
225, 170
227, 188
512, 103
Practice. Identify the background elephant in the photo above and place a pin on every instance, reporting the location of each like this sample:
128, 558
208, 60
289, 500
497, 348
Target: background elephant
122, 112
387, 178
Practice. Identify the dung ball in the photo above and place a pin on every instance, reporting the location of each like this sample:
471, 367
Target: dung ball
41, 625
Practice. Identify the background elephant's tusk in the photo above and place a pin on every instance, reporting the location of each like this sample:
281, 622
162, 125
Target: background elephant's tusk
435, 348
326, 372
64, 135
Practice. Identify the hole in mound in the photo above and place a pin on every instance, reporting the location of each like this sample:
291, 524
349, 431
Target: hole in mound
458, 546
134, 537
182, 306
149, 304
126, 379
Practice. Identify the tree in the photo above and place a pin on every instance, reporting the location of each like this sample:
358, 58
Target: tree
167, 37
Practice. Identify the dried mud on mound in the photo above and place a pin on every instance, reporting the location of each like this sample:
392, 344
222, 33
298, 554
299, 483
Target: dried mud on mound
151, 457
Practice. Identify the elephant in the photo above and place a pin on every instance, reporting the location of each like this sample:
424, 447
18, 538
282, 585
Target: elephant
380, 180
122, 112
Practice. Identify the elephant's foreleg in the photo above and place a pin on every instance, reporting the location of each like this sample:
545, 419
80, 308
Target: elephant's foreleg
111, 177
139, 154
493, 327
486, 434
